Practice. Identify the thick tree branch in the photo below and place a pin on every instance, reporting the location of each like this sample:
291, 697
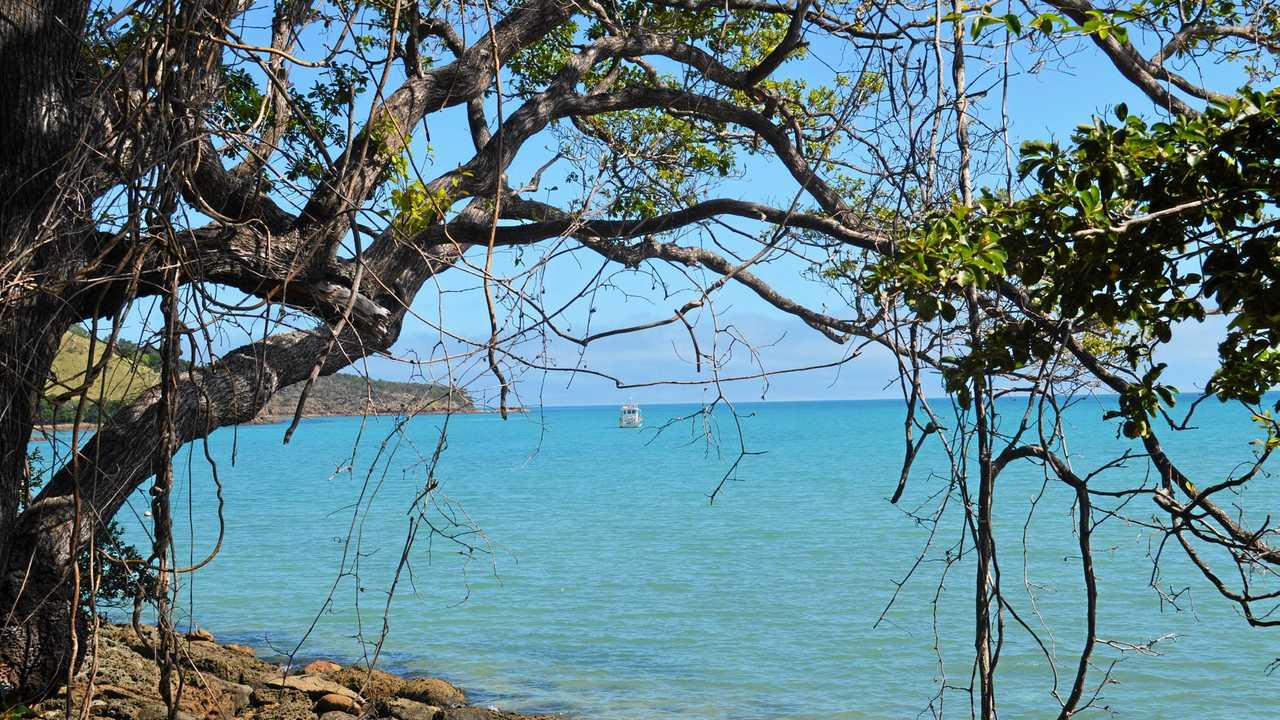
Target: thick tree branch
354, 177
1131, 64
527, 233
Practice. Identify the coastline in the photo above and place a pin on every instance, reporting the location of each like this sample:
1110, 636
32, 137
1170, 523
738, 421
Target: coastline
274, 419
224, 681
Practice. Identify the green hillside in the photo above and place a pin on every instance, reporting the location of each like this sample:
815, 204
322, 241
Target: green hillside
132, 369
344, 394
122, 379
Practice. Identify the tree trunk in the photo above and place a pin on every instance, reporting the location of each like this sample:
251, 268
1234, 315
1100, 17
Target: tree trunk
26, 355
35, 628
35, 647
47, 238
40, 45
35, 613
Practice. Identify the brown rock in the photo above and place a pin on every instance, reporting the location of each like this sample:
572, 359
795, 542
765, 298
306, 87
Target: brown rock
467, 713
276, 696
200, 635
433, 691
228, 664
160, 712
403, 709
337, 715
127, 680
280, 704
315, 667
313, 685
242, 649
372, 684
291, 709
238, 694
340, 703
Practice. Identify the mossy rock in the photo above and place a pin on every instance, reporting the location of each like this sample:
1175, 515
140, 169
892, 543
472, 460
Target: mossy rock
229, 665
404, 709
371, 684
433, 691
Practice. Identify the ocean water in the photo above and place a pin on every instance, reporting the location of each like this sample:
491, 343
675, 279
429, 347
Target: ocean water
565, 565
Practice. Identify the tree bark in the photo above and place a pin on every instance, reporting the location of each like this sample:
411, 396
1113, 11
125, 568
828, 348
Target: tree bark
41, 227
71, 135
39, 44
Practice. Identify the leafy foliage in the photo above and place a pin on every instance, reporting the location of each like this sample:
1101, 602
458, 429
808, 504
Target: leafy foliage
1132, 228
113, 557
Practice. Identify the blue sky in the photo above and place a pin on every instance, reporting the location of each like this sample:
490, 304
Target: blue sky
1048, 104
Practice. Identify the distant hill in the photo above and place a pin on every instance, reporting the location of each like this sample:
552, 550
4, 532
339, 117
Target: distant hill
343, 394
124, 378
131, 369
128, 372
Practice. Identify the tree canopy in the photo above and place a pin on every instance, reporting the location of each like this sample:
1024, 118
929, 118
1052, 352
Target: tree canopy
280, 165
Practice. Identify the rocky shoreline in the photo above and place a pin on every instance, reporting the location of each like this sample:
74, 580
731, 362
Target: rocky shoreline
229, 681
268, 419
88, 427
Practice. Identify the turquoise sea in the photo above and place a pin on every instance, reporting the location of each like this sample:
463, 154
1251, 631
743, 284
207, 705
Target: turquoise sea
569, 566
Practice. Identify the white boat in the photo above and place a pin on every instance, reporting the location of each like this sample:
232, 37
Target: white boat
630, 417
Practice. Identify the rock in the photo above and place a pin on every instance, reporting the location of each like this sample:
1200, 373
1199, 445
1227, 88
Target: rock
293, 709
230, 665
281, 704
467, 713
404, 709
372, 684
316, 667
337, 715
276, 696
240, 695
242, 649
160, 712
341, 703
312, 685
200, 635
433, 691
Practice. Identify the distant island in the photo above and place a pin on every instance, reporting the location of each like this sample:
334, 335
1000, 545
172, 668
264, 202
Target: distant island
132, 369
355, 395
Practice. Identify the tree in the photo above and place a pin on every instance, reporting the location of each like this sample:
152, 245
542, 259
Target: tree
205, 151
1115, 243
1128, 234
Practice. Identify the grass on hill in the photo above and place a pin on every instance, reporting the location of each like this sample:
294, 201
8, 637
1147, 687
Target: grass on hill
122, 379
132, 369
